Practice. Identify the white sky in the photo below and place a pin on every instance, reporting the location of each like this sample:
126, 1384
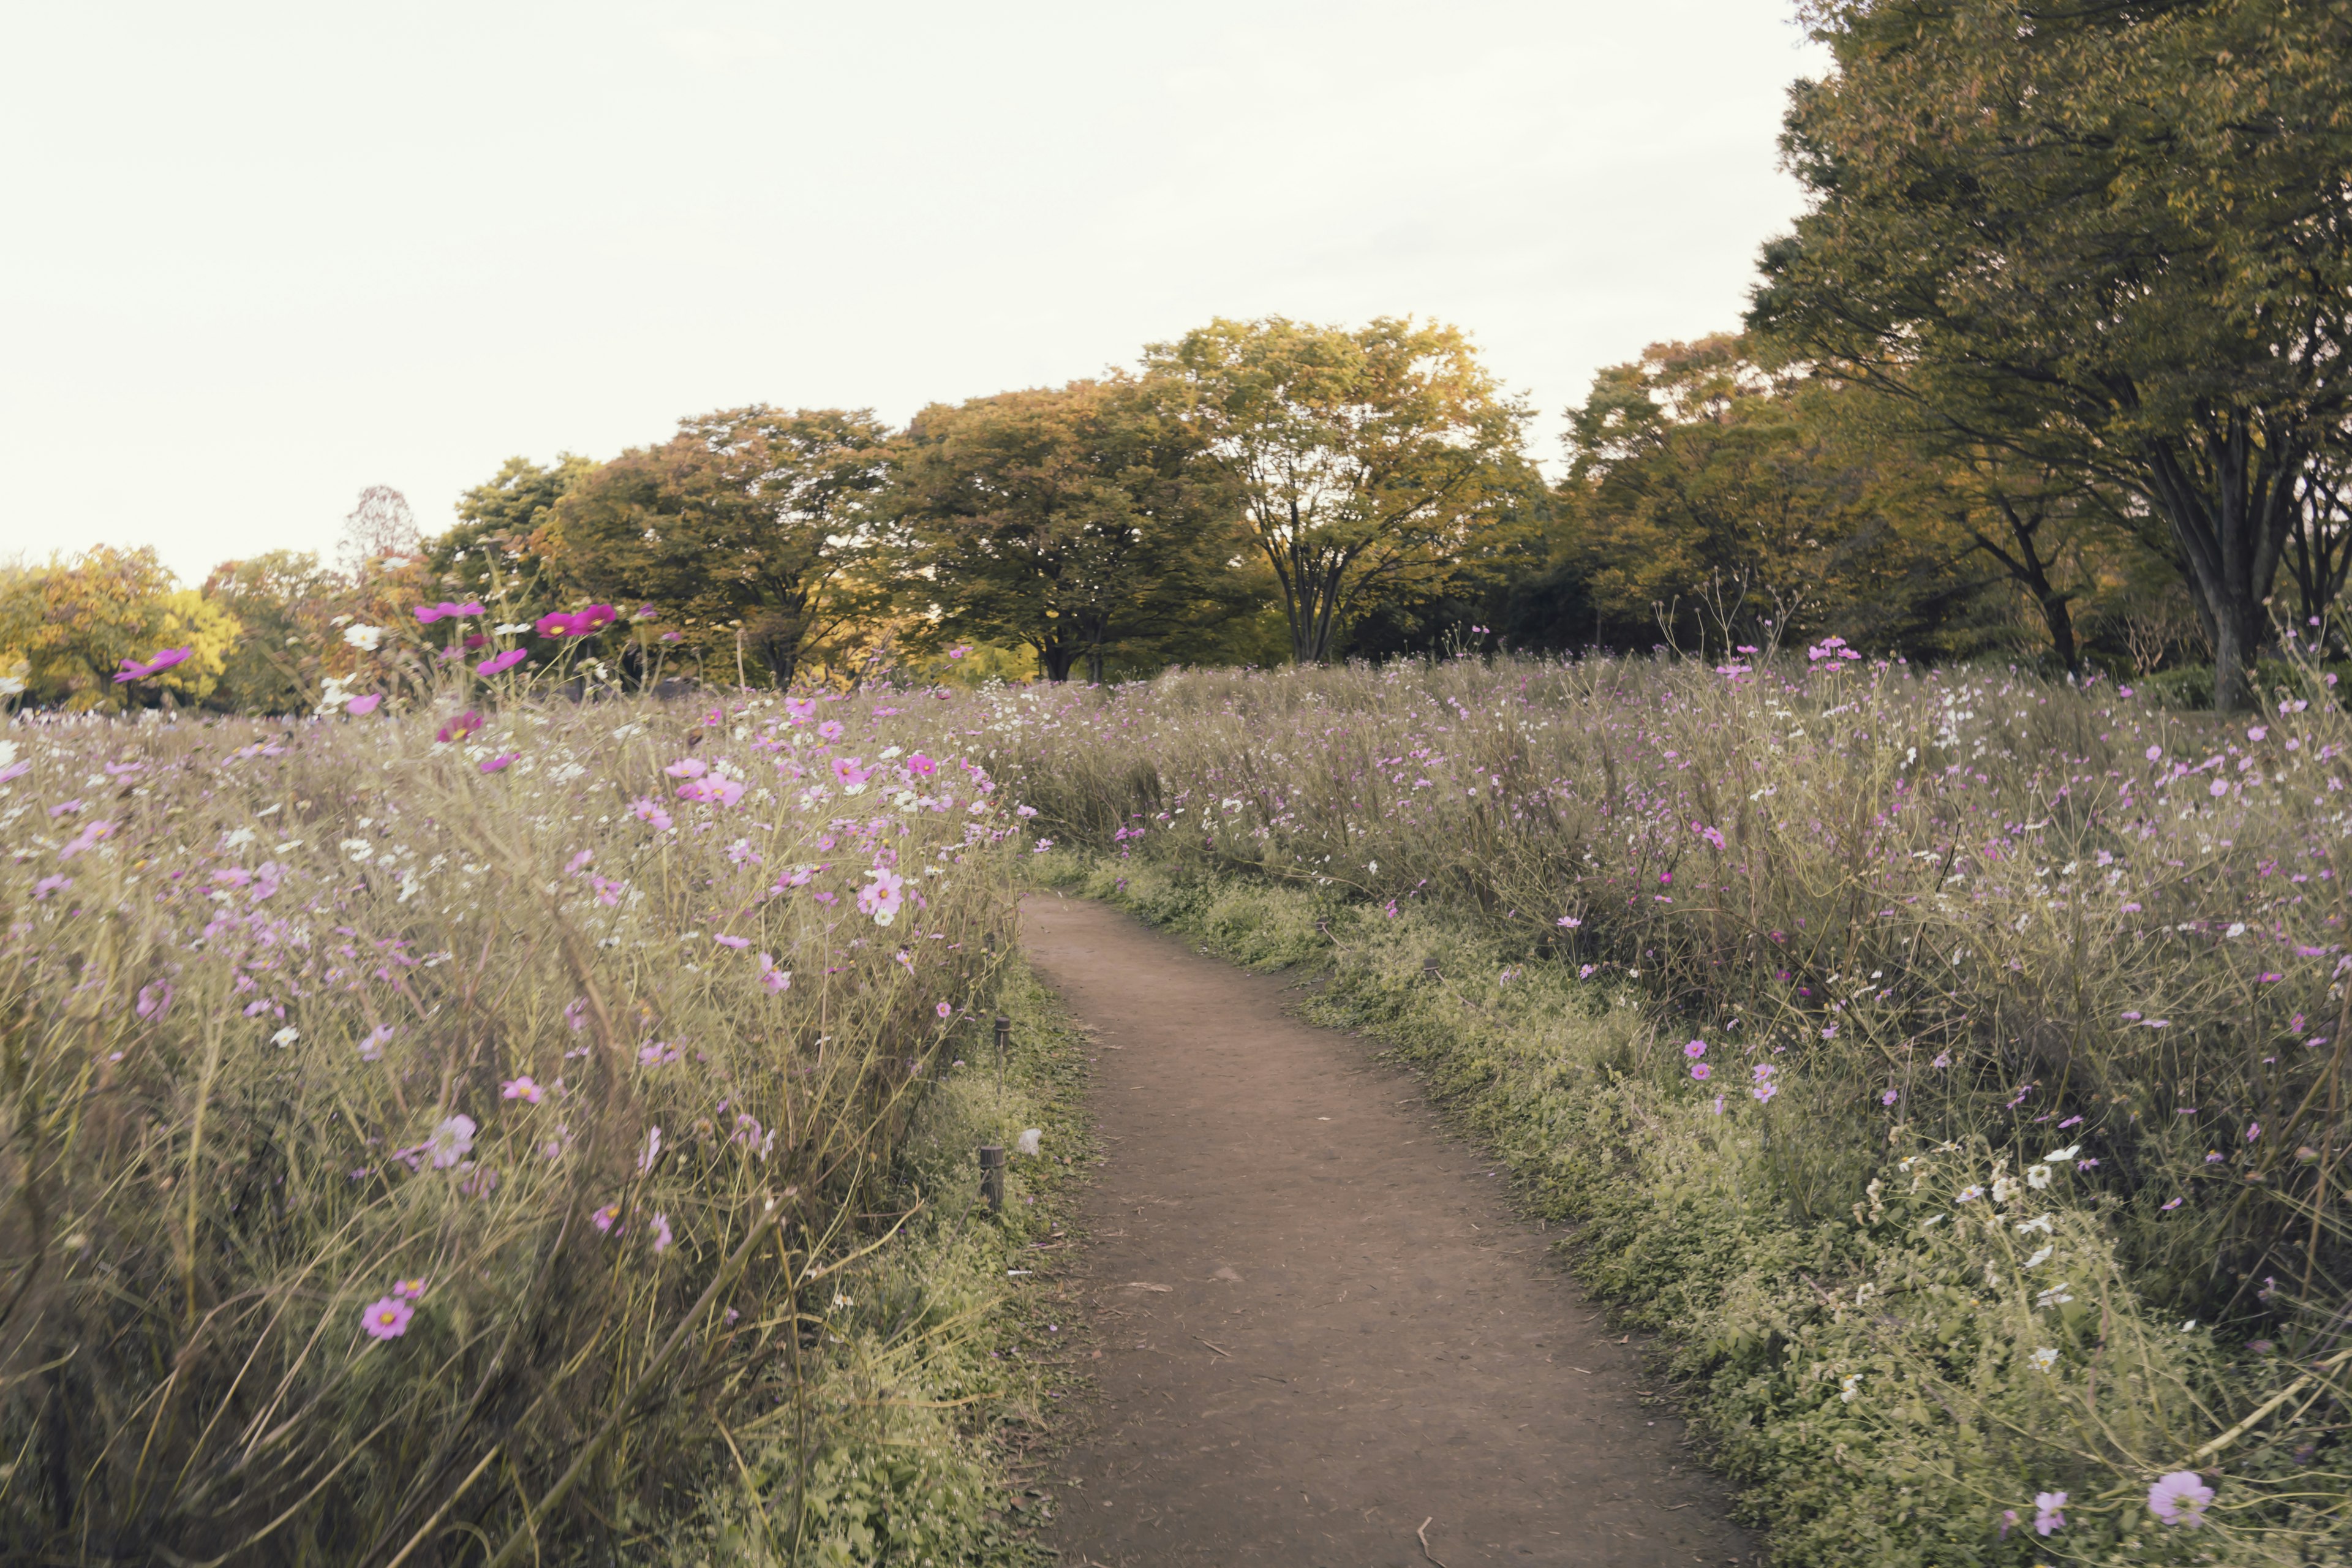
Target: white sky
261, 257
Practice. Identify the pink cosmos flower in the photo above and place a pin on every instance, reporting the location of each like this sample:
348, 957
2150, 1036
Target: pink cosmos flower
521, 1089
1570, 922
846, 771
1695, 1049
156, 1000
387, 1318
2181, 1498
48, 885
1889, 1097
360, 706
163, 660
605, 1218
881, 897
500, 762
773, 978
922, 766
1701, 1071
13, 772
687, 768
958, 650
738, 942
409, 1290
578, 863
945, 1010
372, 1048
87, 838
648, 811
799, 710
63, 808
830, 729
503, 662
458, 728
661, 1232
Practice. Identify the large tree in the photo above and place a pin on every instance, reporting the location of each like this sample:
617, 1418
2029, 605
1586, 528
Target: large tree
2112, 237
1068, 519
749, 519
1367, 464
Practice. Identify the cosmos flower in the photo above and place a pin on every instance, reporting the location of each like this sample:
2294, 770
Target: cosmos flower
165, 658
2181, 1498
773, 978
503, 662
522, 1089
372, 1048
451, 1140
458, 728
387, 1318
500, 762
360, 706
2047, 1518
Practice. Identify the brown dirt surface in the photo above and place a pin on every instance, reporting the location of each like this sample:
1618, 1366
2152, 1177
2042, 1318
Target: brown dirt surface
1318, 1322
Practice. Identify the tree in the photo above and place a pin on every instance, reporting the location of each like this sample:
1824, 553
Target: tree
749, 519
1366, 463
286, 602
1715, 502
2114, 239
380, 526
493, 550
73, 622
1067, 519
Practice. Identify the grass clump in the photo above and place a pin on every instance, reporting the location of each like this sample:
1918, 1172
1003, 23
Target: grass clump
1928, 929
431, 1140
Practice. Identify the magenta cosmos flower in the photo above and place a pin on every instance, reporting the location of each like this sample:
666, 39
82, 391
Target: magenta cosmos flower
503, 662
458, 728
386, 1317
500, 762
163, 660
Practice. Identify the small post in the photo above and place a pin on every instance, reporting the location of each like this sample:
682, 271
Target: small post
991, 1176
1429, 969
1003, 1046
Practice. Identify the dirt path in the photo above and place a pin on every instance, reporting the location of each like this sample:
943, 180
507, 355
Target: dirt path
1319, 1323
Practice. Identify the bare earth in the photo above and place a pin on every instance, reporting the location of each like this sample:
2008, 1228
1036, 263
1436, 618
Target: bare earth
1319, 1323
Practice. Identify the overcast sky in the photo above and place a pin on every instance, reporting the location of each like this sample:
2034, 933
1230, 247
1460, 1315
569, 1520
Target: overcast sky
262, 257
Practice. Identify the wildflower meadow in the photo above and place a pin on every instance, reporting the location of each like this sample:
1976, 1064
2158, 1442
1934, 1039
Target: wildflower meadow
464, 1126
1949, 1063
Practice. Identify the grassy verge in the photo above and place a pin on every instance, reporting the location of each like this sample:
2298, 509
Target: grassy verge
1913, 1382
933, 1385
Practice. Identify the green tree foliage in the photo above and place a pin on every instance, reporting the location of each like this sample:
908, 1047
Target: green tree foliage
1070, 520
749, 519
286, 602
73, 621
493, 551
1372, 466
2113, 238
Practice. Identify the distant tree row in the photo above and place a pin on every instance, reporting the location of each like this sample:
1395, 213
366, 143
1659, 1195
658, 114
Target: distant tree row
2056, 364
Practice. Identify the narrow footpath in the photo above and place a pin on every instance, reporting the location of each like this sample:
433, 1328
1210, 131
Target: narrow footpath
1320, 1324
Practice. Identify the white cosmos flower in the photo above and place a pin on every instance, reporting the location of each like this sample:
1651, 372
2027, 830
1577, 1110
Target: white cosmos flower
451, 1140
2059, 1156
2043, 1359
2039, 1258
286, 1037
364, 636
2037, 1177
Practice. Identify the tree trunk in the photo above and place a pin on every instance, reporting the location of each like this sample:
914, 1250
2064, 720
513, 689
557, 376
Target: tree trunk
2229, 498
1055, 656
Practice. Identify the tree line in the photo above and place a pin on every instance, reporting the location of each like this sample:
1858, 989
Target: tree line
2052, 367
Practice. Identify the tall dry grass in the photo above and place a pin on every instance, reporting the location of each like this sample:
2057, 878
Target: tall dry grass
431, 1149
1953, 905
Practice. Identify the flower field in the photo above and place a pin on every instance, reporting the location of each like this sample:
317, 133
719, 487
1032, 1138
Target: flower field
1951, 1064
447, 1133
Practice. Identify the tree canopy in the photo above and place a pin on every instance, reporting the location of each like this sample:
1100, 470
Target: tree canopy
1366, 463
2114, 239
